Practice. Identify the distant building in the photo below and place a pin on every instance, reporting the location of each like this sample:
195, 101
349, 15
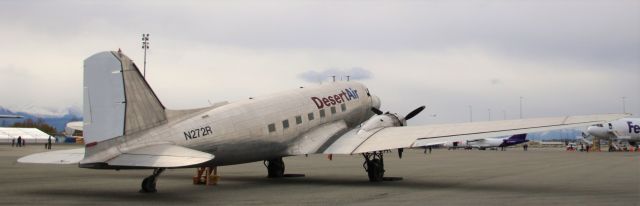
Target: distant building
74, 130
30, 135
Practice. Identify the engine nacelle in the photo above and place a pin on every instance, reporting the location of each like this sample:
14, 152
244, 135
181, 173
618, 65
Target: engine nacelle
381, 121
598, 131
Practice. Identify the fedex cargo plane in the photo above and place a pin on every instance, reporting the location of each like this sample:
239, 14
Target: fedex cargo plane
485, 143
625, 129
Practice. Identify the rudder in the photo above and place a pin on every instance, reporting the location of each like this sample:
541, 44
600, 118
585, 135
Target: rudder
117, 99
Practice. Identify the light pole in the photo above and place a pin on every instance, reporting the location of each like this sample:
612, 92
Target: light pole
521, 107
624, 109
489, 114
145, 46
470, 113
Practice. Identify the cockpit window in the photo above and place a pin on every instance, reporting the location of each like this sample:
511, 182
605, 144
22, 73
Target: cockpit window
367, 89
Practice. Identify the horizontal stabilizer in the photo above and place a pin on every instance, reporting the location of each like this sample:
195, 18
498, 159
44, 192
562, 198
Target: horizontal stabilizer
70, 156
164, 156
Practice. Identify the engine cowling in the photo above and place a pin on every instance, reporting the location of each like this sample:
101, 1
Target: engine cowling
381, 121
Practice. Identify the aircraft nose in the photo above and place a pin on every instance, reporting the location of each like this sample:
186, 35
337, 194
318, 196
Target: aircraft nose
595, 131
375, 101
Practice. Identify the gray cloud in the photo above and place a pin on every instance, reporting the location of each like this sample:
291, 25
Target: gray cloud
355, 73
449, 54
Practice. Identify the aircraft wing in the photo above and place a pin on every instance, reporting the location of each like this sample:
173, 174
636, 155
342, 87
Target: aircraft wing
70, 156
163, 155
433, 144
153, 156
477, 140
418, 136
10, 116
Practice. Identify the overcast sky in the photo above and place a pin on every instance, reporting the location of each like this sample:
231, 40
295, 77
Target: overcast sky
562, 57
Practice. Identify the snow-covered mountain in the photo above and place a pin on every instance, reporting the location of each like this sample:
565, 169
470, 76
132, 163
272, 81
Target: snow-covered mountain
43, 112
55, 117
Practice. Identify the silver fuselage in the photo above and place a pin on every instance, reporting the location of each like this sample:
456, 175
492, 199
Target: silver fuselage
239, 132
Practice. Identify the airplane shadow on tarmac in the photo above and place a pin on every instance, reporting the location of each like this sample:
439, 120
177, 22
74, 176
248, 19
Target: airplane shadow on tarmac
406, 184
186, 193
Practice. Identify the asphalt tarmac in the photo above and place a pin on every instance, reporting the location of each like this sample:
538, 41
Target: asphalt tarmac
513, 177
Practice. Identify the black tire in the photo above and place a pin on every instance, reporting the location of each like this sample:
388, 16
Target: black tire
148, 185
375, 170
275, 168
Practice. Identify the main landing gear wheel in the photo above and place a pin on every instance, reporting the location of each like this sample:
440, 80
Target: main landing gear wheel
275, 167
149, 183
374, 165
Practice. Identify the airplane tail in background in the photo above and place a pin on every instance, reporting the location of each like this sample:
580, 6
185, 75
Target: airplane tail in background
518, 137
117, 99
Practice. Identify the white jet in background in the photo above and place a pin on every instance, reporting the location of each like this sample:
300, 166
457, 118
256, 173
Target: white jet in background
621, 130
127, 127
491, 143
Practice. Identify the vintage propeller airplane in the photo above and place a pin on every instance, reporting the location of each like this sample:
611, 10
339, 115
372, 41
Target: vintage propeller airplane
127, 127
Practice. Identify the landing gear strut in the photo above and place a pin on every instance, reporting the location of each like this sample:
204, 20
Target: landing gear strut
149, 183
374, 165
275, 167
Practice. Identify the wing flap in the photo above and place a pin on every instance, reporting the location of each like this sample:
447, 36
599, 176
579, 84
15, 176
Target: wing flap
314, 140
160, 156
70, 156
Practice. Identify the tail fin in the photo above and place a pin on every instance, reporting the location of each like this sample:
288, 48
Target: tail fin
117, 99
520, 137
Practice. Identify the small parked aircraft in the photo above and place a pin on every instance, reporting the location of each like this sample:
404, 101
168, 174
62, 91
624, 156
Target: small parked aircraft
484, 143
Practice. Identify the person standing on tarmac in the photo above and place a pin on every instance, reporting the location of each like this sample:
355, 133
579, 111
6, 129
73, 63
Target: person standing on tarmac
49, 142
13, 142
19, 141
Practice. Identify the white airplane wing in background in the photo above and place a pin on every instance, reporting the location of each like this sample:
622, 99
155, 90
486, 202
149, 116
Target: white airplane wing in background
433, 144
417, 136
10, 116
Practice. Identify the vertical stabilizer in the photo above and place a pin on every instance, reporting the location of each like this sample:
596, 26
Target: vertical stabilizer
117, 99
518, 137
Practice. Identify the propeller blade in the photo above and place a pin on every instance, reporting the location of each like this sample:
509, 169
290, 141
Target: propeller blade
414, 112
376, 110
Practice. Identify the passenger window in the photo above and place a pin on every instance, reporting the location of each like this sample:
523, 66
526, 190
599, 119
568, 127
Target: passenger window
310, 115
322, 113
298, 119
333, 110
272, 127
285, 124
343, 106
